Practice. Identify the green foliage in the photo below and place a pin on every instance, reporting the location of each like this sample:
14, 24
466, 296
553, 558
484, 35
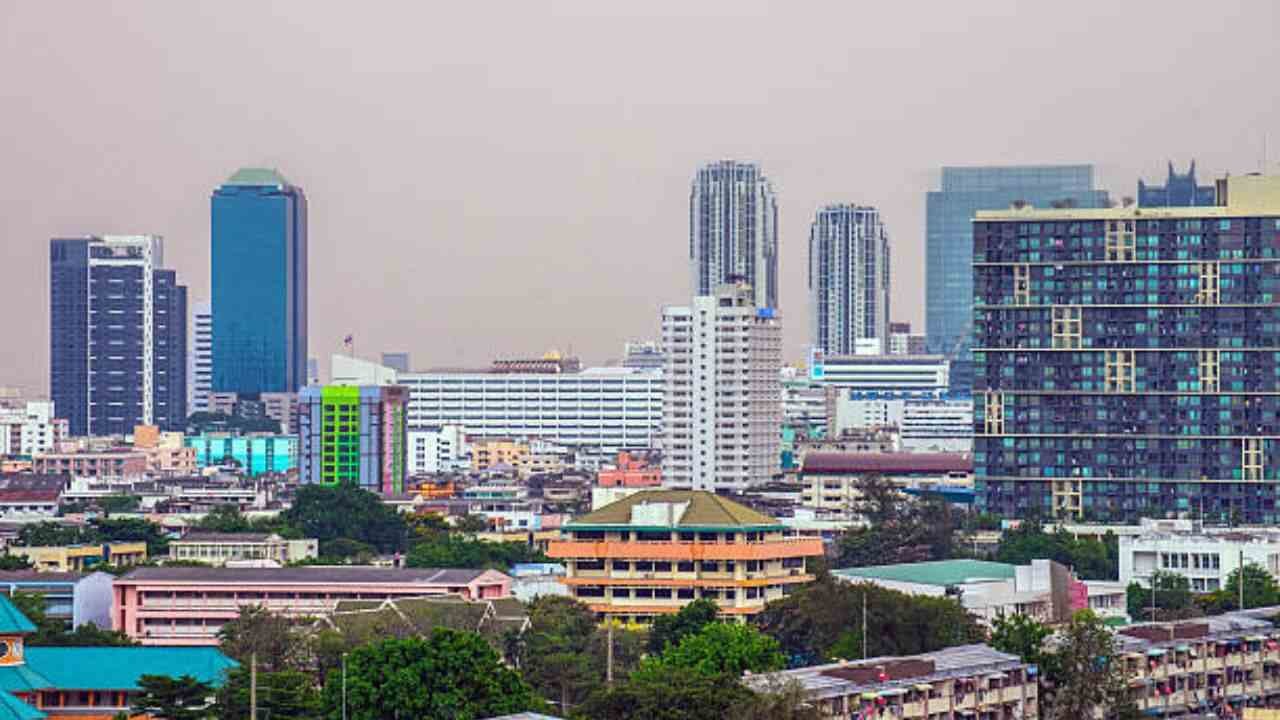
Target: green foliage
272, 637
458, 551
1020, 635
49, 534
680, 696
825, 616
14, 562
134, 530
718, 648
119, 503
1173, 600
472, 523
183, 698
1079, 677
452, 674
284, 695
345, 511
225, 519
340, 550
669, 630
1091, 559
900, 528
55, 632
1259, 589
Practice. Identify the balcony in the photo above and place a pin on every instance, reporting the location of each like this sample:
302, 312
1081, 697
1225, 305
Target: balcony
685, 551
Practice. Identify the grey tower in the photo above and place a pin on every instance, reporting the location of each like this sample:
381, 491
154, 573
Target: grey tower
733, 231
848, 279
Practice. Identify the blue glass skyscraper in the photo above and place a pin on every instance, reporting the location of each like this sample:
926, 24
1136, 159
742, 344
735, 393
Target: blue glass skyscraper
259, 283
949, 239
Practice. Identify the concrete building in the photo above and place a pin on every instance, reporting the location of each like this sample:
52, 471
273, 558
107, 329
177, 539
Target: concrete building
254, 454
398, 361
830, 481
79, 558
914, 375
438, 449
200, 358
943, 425
28, 427
218, 549
966, 681
507, 506
733, 231
655, 551
903, 342
73, 597
1124, 359
848, 279
281, 407
1205, 556
116, 463
187, 606
105, 374
722, 410
629, 471
353, 435
27, 497
490, 453
646, 355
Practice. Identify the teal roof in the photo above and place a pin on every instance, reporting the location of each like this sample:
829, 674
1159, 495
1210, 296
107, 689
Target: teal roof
22, 678
257, 177
11, 708
938, 572
12, 621
118, 668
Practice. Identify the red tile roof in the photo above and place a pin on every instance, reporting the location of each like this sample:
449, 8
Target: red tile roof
887, 463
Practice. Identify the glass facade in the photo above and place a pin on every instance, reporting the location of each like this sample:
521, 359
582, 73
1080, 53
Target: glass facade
255, 454
1126, 363
1177, 191
949, 239
259, 284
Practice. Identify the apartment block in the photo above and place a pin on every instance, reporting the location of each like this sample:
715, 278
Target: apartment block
1125, 359
848, 279
722, 410
218, 549
655, 551
28, 427
353, 435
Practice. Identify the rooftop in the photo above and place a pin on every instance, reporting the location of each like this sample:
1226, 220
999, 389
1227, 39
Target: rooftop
312, 574
12, 621
208, 537
859, 462
938, 572
1245, 195
704, 509
118, 668
257, 177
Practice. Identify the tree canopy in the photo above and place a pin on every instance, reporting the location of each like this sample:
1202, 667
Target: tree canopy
718, 648
182, 698
669, 630
899, 529
1079, 676
345, 511
1020, 635
1173, 600
459, 551
1091, 559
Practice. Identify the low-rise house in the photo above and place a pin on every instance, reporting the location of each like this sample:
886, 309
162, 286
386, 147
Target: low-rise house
112, 463
188, 606
30, 498
363, 621
630, 471
75, 598
220, 548
967, 681
831, 480
78, 558
532, 580
1205, 556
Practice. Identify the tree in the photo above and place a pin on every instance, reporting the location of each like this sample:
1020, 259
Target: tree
669, 630
679, 696
472, 523
46, 534
284, 695
14, 562
1259, 588
1080, 676
1020, 635
346, 549
899, 529
718, 648
457, 551
778, 700
271, 637
54, 632
564, 652
1173, 600
346, 511
119, 503
134, 530
183, 698
225, 519
452, 674
1091, 559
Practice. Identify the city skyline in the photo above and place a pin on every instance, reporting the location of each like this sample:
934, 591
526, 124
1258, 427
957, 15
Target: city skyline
428, 233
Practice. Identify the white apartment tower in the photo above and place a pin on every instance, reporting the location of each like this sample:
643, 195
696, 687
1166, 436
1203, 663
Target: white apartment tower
722, 409
200, 358
848, 279
733, 231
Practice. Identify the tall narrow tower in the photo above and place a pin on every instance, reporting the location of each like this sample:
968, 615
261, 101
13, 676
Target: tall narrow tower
848, 279
733, 231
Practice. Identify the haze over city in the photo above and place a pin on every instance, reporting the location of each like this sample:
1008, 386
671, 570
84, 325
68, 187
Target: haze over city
489, 180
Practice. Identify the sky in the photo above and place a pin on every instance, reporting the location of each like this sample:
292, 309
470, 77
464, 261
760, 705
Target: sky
504, 178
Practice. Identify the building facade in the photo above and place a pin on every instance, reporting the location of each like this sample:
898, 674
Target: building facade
913, 375
259, 281
200, 358
107, 374
848, 279
28, 427
1206, 557
1177, 191
73, 598
219, 549
354, 435
254, 454
1125, 360
904, 342
655, 551
437, 449
722, 409
733, 231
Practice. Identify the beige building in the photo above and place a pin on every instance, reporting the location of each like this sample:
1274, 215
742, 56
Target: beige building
79, 558
221, 548
488, 452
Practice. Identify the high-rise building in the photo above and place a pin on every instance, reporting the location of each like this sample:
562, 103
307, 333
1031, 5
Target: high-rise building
722, 404
200, 358
733, 231
848, 279
353, 435
118, 335
1177, 191
904, 342
259, 279
949, 241
29, 427
1125, 360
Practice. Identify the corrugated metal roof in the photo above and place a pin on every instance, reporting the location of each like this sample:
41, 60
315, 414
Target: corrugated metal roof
315, 574
118, 668
938, 572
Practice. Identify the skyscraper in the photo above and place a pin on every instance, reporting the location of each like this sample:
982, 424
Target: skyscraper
1177, 191
259, 279
1126, 360
848, 279
733, 231
722, 401
200, 358
949, 240
118, 335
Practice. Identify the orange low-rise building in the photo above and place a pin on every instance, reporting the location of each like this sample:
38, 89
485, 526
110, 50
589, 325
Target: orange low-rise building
629, 471
655, 551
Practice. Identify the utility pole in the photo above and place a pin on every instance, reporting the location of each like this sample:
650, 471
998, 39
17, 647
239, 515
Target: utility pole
864, 624
1241, 578
344, 686
608, 668
1154, 576
253, 686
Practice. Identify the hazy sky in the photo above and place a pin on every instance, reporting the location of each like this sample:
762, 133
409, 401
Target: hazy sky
503, 178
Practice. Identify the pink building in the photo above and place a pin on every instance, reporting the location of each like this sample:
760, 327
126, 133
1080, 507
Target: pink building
629, 471
187, 606
109, 463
